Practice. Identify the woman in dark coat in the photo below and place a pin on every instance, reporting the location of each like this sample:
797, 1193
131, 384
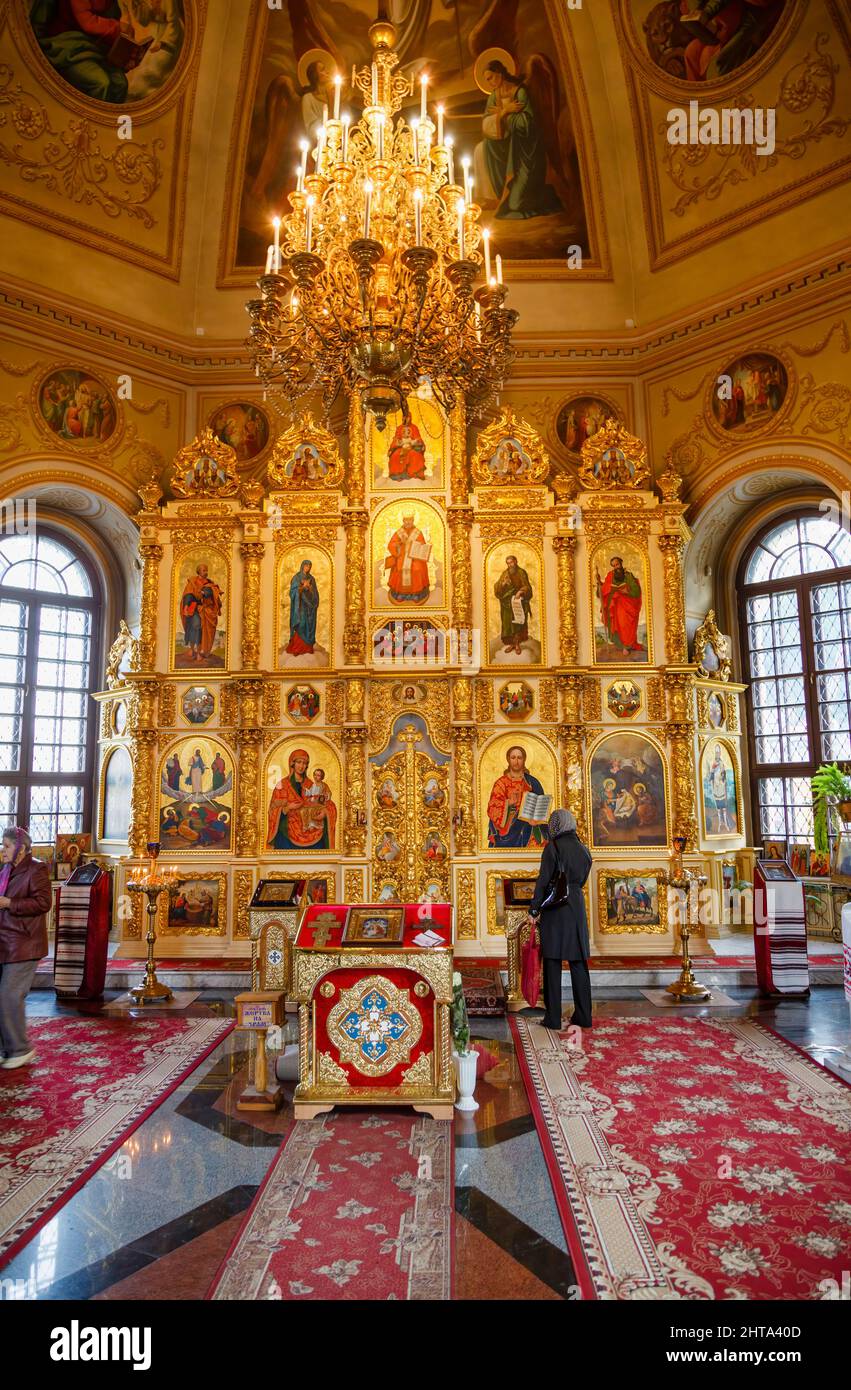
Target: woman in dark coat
564, 929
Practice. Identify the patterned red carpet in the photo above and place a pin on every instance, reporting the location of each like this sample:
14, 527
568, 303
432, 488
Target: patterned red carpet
92, 1082
355, 1206
693, 1158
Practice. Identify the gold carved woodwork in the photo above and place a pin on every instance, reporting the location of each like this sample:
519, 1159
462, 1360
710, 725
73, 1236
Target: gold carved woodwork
655, 699
613, 458
465, 905
484, 702
249, 809
573, 695
147, 652
243, 887
435, 966
252, 553
305, 430
410, 820
565, 551
334, 702
465, 801
572, 747
106, 719
494, 926
127, 645
386, 704
672, 546
206, 467
462, 698
604, 516
353, 886
143, 748
419, 1073
355, 523
508, 426
168, 704
227, 705
355, 699
459, 478
355, 482
509, 527
732, 702
548, 699
271, 704
708, 637
592, 703
460, 525
355, 830
680, 737
331, 1072
702, 709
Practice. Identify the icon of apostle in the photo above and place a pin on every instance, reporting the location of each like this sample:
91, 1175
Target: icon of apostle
505, 828
200, 610
299, 818
514, 591
620, 606
407, 560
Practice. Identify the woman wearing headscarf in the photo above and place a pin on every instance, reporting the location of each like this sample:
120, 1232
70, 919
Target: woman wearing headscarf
558, 909
24, 905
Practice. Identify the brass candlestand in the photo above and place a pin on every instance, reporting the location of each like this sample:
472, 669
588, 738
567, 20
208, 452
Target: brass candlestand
686, 989
152, 885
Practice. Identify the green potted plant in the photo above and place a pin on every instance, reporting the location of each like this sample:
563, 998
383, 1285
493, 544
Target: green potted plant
464, 1058
831, 786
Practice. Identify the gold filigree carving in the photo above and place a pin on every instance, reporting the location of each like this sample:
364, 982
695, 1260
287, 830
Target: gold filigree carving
565, 551
398, 1050
302, 450
271, 703
355, 523
464, 761
655, 699
354, 740
168, 704
510, 527
592, 708
353, 885
460, 526
497, 461
672, 546
548, 699
252, 559
227, 705
243, 881
465, 906
327, 990
829, 407
731, 701
462, 698
484, 702
205, 468
419, 1073
708, 639
613, 458
127, 645
330, 1071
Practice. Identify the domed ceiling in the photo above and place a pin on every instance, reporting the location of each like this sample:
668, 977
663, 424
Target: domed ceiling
145, 146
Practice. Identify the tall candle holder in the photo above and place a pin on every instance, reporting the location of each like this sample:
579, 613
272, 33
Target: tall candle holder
152, 883
686, 989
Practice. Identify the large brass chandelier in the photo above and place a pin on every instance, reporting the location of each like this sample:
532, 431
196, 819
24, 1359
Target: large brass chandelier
381, 276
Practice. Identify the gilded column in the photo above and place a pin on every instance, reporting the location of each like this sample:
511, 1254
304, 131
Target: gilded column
464, 738
571, 737
460, 525
355, 522
142, 724
152, 554
354, 739
356, 468
249, 737
252, 559
680, 734
565, 549
672, 545
459, 472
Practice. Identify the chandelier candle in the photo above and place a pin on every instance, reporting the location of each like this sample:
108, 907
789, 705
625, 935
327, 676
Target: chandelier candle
486, 242
381, 251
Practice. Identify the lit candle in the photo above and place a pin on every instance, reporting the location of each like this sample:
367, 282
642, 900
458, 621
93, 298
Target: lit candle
486, 240
415, 131
338, 82
440, 110
465, 178
308, 234
450, 156
270, 256
367, 188
344, 143
303, 148
418, 216
276, 223
374, 84
460, 210
423, 94
499, 270
293, 304
381, 135
468, 187
320, 145
299, 185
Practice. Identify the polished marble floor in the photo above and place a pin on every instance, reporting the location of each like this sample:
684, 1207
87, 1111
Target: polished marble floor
156, 1220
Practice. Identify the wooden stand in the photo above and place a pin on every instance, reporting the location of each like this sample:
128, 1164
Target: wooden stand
256, 1012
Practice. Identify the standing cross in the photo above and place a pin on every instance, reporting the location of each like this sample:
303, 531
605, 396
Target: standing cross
322, 928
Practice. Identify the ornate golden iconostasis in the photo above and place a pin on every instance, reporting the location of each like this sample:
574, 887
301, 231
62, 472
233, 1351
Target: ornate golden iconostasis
380, 673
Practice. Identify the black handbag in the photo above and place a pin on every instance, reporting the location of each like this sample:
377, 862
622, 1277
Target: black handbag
558, 891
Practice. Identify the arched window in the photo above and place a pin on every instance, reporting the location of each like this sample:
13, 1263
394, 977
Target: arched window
795, 608
49, 661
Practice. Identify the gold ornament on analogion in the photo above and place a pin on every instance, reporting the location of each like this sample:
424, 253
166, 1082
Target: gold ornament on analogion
613, 458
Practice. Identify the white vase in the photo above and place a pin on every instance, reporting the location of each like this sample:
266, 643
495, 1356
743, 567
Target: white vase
465, 1075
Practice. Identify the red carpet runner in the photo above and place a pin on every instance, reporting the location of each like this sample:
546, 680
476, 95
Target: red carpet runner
355, 1206
92, 1083
693, 1158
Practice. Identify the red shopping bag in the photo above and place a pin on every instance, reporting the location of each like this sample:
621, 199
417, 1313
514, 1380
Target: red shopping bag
530, 969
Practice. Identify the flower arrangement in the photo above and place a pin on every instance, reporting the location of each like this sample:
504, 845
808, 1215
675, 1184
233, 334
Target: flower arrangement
460, 1021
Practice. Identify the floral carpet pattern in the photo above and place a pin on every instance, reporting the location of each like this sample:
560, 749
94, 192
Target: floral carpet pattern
355, 1206
92, 1082
693, 1158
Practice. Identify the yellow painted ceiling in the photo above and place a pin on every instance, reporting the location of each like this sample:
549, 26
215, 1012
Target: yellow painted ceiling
164, 228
